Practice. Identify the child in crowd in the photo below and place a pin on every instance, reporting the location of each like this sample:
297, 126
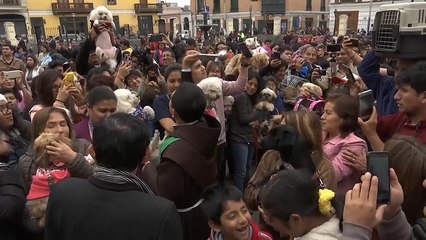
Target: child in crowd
293, 204
229, 217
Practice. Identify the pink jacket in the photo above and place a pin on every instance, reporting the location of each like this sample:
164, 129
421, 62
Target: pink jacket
333, 150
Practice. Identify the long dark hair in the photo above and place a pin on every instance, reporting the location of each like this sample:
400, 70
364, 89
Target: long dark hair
44, 86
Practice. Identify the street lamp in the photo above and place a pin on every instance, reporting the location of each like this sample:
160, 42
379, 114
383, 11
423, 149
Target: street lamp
75, 28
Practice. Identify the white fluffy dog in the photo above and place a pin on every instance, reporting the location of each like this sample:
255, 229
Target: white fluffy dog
128, 102
212, 88
267, 99
104, 48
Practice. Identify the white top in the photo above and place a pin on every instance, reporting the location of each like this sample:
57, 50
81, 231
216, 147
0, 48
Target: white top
327, 231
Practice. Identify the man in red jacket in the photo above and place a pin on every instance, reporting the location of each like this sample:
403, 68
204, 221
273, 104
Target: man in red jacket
411, 119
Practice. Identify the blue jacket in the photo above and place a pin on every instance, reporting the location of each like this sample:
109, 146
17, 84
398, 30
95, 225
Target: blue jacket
383, 88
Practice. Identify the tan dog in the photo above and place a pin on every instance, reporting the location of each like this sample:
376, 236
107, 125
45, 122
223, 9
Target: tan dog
45, 176
43, 160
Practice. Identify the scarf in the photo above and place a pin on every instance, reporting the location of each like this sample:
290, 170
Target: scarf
120, 177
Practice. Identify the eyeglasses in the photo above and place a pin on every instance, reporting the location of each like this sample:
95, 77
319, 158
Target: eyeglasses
5, 108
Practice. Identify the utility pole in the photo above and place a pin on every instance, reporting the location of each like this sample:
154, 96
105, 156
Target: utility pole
369, 17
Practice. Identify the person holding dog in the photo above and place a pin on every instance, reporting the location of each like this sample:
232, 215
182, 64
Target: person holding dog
112, 203
187, 166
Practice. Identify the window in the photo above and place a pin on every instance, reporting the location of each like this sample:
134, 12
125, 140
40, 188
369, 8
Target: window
234, 5
112, 2
216, 6
322, 7
309, 22
273, 7
308, 5
200, 5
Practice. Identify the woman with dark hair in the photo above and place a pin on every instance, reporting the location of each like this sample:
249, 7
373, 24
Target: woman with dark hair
215, 69
133, 80
339, 123
17, 85
44, 54
51, 92
295, 205
47, 88
161, 102
242, 142
101, 102
14, 133
33, 69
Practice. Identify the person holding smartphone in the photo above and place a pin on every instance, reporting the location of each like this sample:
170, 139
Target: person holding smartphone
411, 119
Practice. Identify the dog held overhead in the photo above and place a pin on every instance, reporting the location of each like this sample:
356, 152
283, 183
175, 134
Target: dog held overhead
105, 48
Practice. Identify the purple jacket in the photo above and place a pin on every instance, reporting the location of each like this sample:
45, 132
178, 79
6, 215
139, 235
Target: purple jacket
82, 130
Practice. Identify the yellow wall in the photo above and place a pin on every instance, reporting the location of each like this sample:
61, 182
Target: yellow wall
43, 8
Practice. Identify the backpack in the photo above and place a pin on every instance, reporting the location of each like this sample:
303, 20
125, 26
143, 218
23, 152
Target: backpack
315, 105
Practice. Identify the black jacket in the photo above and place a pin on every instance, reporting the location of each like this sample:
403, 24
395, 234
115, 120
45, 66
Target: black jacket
93, 209
12, 203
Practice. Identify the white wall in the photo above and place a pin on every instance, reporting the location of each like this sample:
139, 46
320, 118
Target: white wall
363, 9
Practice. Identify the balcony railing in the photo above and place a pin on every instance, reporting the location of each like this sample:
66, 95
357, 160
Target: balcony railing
10, 3
68, 8
148, 8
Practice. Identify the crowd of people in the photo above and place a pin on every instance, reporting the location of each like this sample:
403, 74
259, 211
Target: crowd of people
178, 142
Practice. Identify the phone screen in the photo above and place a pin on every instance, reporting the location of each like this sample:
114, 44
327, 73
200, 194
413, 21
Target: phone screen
276, 55
378, 165
156, 38
348, 73
366, 103
244, 50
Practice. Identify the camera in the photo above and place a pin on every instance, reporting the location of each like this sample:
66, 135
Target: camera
305, 70
334, 47
322, 72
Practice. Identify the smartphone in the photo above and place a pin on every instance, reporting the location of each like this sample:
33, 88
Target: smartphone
126, 57
12, 74
69, 79
276, 55
156, 38
366, 103
378, 165
348, 73
354, 42
65, 66
333, 47
244, 50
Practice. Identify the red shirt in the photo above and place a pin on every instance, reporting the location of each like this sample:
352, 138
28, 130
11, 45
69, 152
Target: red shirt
400, 123
257, 234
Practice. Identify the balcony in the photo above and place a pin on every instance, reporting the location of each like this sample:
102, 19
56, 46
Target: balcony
69, 8
147, 8
10, 2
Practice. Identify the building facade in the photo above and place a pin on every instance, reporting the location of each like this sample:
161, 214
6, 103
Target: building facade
354, 15
50, 18
14, 11
174, 19
265, 16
